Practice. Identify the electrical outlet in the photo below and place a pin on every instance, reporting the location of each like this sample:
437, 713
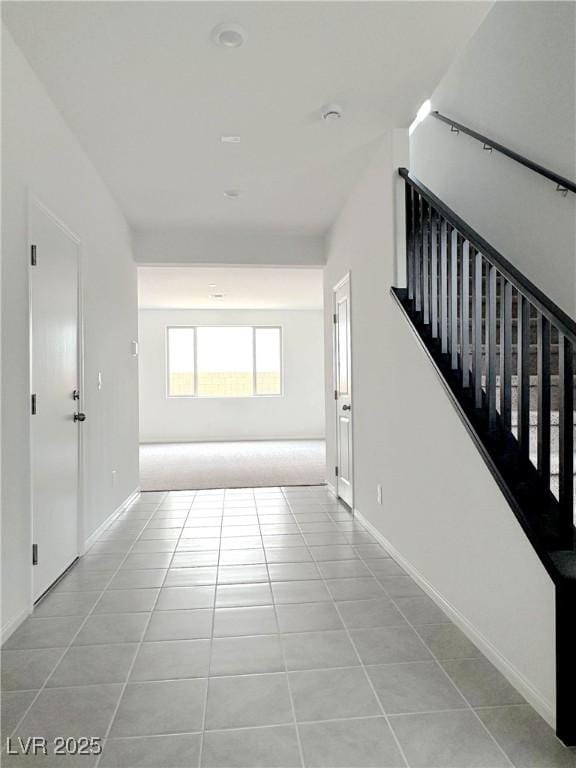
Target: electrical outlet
379, 493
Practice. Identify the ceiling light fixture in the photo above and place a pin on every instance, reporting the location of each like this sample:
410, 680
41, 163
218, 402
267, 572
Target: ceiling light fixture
216, 295
232, 194
228, 35
331, 113
230, 139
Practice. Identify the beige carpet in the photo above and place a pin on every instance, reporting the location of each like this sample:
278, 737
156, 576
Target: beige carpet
245, 464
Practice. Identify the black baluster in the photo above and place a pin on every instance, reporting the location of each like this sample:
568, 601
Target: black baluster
444, 286
465, 314
491, 343
425, 263
506, 352
409, 241
477, 331
524, 375
418, 252
543, 356
566, 433
454, 299
433, 273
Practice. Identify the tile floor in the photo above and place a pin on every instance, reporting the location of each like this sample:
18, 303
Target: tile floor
257, 628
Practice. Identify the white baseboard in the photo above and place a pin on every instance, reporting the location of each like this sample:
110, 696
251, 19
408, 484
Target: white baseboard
110, 519
186, 441
12, 625
504, 665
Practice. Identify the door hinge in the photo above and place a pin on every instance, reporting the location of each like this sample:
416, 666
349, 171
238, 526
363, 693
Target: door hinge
34, 554
335, 394
33, 404
336, 471
33, 255
334, 318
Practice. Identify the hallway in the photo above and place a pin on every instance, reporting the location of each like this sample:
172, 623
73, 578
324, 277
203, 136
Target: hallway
257, 627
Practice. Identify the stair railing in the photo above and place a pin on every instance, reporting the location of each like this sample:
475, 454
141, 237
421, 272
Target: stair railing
493, 338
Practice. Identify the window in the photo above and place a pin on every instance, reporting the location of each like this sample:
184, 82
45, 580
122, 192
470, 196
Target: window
224, 361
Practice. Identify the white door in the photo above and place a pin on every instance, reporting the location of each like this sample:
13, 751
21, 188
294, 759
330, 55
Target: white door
54, 338
343, 390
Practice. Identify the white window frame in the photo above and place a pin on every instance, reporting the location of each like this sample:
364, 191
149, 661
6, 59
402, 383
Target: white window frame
196, 396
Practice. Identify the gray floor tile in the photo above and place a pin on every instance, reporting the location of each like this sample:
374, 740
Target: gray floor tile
446, 641
147, 709
257, 620
13, 704
185, 598
386, 568
111, 546
191, 577
128, 579
250, 700
364, 614
112, 628
194, 559
293, 571
400, 586
481, 683
180, 625
526, 738
242, 595
416, 687
66, 711
288, 555
238, 557
83, 581
85, 665
99, 563
363, 743
312, 591
126, 601
246, 655
293, 540
153, 751
330, 694
421, 610
334, 552
355, 589
308, 617
44, 633
171, 660
152, 545
24, 670
66, 604
343, 569
147, 560
446, 740
371, 551
325, 539
386, 645
272, 747
318, 650
242, 574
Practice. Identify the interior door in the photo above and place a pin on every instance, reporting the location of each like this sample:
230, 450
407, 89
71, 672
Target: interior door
343, 390
54, 254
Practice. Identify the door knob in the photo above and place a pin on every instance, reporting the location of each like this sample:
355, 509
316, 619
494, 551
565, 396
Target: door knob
346, 407
79, 417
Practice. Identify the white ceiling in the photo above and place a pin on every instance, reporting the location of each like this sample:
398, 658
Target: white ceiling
243, 288
149, 95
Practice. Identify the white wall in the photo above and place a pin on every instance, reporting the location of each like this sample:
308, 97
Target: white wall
441, 509
299, 413
514, 82
182, 246
41, 155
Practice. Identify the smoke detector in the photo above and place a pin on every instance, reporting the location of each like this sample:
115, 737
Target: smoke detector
228, 36
331, 113
232, 194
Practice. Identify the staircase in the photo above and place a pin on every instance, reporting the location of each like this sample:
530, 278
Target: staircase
505, 355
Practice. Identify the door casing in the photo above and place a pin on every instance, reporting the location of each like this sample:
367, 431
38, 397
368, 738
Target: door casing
35, 202
345, 279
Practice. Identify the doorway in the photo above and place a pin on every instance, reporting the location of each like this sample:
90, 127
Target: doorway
343, 391
55, 392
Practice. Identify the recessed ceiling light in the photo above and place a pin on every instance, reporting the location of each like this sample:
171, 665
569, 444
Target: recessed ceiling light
211, 285
216, 295
232, 194
230, 139
228, 35
331, 112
